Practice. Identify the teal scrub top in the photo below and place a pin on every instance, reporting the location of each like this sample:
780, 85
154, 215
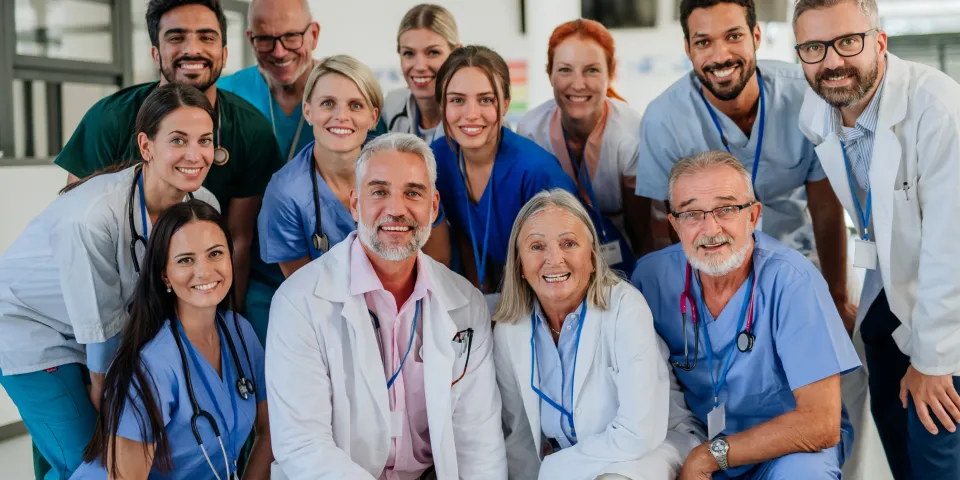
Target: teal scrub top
250, 85
106, 137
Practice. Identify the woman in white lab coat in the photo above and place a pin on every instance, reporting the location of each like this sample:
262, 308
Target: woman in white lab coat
587, 124
584, 378
66, 281
427, 35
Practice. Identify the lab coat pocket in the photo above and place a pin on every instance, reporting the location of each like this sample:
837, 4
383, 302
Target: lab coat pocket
906, 223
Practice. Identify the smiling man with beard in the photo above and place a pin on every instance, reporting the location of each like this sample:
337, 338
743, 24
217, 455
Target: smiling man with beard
189, 41
721, 105
754, 337
381, 359
888, 134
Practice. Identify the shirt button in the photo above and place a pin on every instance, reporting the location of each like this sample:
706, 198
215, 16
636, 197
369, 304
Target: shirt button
568, 327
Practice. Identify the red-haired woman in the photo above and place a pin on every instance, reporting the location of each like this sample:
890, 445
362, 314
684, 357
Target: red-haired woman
590, 128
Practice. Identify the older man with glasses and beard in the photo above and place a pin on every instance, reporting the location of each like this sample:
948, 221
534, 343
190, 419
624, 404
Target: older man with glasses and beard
381, 358
888, 134
754, 336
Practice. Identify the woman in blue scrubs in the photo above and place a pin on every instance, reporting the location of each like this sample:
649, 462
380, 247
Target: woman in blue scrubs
485, 172
427, 35
66, 281
303, 215
187, 365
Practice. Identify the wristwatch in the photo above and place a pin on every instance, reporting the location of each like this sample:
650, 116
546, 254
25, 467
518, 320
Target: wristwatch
719, 449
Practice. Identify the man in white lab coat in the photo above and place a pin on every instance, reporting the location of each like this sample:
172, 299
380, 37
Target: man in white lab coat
379, 359
888, 136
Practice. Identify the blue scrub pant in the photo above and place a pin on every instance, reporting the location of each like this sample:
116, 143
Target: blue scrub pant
912, 452
56, 409
822, 465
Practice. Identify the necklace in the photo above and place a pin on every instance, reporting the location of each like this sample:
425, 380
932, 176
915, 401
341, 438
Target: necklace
555, 332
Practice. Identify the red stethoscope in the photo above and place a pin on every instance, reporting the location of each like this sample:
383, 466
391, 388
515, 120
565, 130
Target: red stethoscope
745, 338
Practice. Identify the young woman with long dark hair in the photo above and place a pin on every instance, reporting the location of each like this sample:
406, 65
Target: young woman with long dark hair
186, 386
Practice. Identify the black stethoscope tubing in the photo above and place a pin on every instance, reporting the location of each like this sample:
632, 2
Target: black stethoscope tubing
319, 239
136, 237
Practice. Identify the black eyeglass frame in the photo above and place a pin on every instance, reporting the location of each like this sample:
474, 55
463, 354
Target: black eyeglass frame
274, 39
713, 212
833, 43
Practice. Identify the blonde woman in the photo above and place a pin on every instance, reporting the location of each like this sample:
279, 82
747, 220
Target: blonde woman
427, 35
306, 208
584, 378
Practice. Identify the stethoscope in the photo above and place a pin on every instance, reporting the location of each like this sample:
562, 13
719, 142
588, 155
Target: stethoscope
319, 239
220, 154
745, 338
723, 138
533, 361
136, 237
479, 256
243, 385
383, 358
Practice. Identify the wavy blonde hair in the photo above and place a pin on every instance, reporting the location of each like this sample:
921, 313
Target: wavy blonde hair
435, 18
517, 297
351, 68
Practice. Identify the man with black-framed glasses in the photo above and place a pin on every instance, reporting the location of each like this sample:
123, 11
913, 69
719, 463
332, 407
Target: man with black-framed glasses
888, 136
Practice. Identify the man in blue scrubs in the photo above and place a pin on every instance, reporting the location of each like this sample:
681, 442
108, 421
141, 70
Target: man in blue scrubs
283, 36
754, 336
721, 105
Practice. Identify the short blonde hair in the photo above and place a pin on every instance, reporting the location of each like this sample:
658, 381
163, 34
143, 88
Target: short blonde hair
351, 68
704, 160
435, 18
516, 298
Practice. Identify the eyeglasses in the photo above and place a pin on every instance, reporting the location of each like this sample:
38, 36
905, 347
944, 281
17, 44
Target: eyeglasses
845, 46
289, 40
727, 212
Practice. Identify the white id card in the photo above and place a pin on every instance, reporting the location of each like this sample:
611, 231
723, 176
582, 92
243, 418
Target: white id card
396, 424
864, 254
611, 253
716, 421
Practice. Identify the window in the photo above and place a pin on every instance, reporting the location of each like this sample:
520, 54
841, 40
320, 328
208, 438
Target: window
939, 51
621, 13
767, 10
66, 29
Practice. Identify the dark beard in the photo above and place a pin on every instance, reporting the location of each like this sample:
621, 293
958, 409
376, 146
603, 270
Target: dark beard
848, 96
169, 72
745, 75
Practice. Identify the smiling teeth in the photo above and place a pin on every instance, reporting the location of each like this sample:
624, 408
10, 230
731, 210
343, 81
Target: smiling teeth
341, 131
834, 79
192, 66
723, 73
421, 80
471, 130
283, 64
556, 278
190, 171
579, 99
396, 229
206, 287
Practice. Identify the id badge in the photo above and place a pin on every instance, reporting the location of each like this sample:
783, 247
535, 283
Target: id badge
864, 254
610, 252
396, 424
717, 421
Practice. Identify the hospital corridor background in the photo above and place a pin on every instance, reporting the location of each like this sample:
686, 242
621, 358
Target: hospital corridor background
59, 57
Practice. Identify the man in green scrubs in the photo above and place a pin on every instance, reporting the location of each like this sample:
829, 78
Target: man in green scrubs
189, 46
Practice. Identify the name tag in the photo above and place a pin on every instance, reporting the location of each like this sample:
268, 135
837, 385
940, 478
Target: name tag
864, 254
717, 421
611, 253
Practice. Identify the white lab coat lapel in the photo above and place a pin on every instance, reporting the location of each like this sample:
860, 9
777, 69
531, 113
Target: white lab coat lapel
586, 352
438, 333
521, 356
365, 347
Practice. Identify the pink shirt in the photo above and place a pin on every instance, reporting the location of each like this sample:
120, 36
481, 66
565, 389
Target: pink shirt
410, 452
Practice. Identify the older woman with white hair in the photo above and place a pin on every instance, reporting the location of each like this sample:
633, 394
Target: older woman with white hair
584, 378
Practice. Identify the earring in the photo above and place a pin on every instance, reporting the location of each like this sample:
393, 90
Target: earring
169, 290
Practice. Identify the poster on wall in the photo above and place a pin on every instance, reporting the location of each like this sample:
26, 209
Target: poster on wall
519, 92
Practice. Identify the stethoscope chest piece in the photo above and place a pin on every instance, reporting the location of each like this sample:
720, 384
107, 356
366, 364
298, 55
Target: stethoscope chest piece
745, 341
321, 242
244, 387
221, 156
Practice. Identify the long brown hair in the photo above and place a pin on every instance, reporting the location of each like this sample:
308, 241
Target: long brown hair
493, 67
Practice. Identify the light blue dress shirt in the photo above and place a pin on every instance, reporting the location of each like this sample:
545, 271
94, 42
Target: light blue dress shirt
800, 338
555, 364
677, 124
217, 396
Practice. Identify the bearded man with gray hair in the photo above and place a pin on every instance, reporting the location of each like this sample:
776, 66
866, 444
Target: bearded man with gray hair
755, 338
380, 358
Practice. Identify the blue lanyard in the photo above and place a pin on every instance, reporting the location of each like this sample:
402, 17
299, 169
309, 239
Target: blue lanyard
206, 387
479, 257
719, 382
143, 207
533, 362
416, 119
763, 116
413, 332
583, 178
864, 215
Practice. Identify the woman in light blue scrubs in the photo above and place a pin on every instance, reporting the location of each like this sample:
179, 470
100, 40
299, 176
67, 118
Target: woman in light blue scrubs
485, 172
66, 281
306, 208
188, 370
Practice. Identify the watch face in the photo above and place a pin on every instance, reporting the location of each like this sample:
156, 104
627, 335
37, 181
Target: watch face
719, 446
